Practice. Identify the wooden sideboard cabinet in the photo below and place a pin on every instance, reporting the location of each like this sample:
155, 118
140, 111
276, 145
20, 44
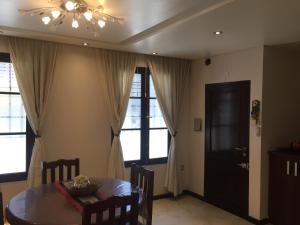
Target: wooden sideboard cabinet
284, 187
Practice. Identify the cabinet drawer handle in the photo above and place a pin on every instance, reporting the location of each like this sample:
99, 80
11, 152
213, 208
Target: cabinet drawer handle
287, 167
296, 169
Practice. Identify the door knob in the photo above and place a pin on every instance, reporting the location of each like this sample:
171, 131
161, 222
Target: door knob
243, 165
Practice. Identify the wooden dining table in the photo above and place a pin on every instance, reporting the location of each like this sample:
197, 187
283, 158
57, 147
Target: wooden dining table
45, 205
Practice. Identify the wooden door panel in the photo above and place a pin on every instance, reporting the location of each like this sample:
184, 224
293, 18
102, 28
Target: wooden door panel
226, 129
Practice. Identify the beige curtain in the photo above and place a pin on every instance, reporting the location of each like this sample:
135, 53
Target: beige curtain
34, 63
170, 77
116, 71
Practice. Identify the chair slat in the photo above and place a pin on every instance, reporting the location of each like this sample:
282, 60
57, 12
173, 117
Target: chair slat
69, 172
61, 172
52, 174
99, 218
44, 173
141, 181
77, 167
112, 213
123, 214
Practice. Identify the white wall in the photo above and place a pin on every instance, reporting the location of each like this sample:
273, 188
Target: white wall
242, 65
77, 120
281, 100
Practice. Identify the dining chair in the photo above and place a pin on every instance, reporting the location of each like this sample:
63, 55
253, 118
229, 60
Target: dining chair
60, 164
144, 180
117, 210
1, 210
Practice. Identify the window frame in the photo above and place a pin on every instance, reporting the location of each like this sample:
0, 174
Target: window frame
30, 137
145, 122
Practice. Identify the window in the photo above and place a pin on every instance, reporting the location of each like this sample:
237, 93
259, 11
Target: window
144, 136
16, 136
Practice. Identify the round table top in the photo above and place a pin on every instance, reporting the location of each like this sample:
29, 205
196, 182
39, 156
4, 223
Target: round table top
45, 205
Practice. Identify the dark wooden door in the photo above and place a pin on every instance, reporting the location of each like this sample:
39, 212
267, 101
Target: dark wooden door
227, 112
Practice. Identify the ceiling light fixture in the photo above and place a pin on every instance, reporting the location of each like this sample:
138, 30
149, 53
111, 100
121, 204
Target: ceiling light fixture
88, 15
70, 6
218, 32
46, 20
101, 23
55, 14
154, 53
75, 23
85, 44
59, 10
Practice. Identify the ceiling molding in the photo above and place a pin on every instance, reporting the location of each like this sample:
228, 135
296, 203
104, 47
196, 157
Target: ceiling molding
181, 18
9, 31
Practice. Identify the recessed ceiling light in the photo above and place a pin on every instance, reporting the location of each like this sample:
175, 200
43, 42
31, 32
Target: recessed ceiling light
154, 53
85, 44
218, 32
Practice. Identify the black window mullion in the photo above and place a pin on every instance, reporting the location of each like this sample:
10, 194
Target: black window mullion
158, 128
12, 133
147, 106
4, 57
9, 93
130, 129
30, 138
144, 123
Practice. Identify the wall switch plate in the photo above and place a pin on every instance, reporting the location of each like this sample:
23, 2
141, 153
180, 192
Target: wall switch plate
197, 124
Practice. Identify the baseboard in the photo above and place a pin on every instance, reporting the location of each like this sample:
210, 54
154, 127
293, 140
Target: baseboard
248, 218
193, 194
162, 196
256, 221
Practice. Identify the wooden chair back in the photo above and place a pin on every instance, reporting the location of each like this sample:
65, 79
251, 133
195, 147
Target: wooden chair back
144, 179
60, 164
113, 211
1, 210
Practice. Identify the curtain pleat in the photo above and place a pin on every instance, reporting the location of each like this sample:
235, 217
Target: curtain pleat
170, 77
34, 63
116, 71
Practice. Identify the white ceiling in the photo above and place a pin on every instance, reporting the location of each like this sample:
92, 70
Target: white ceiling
179, 28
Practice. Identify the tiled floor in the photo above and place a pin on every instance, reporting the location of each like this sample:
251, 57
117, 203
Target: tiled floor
191, 211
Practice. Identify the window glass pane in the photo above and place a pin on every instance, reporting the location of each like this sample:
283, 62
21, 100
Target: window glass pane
158, 143
131, 144
8, 82
151, 88
133, 114
12, 153
156, 118
136, 86
12, 114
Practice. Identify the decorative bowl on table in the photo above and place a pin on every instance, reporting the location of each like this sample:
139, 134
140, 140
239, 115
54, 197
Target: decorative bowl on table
81, 186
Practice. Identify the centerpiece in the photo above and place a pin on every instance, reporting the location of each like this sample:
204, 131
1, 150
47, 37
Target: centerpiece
81, 186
